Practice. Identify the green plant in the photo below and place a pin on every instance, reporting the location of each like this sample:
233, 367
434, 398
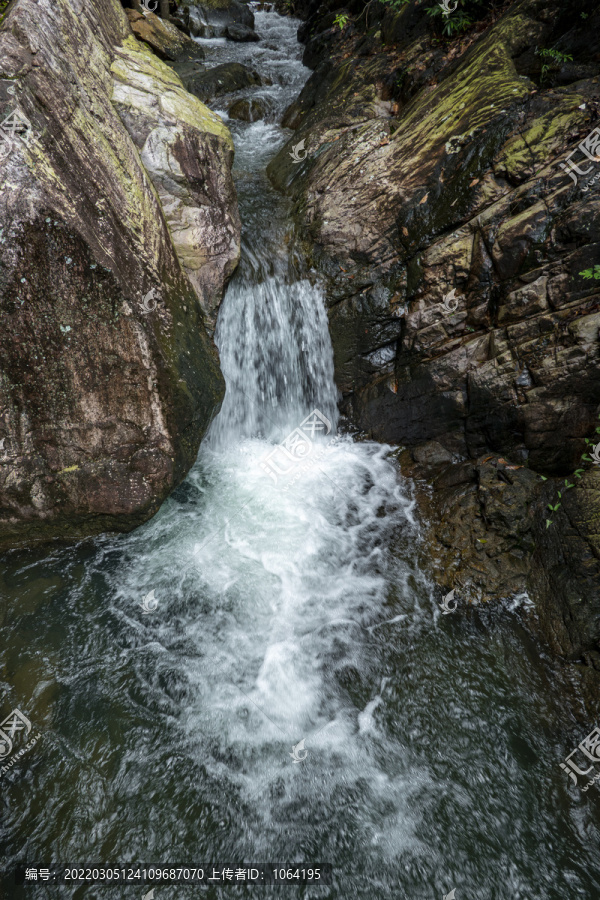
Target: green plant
460, 16
341, 20
591, 273
556, 57
576, 474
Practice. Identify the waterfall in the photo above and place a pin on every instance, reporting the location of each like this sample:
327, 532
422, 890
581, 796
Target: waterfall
277, 359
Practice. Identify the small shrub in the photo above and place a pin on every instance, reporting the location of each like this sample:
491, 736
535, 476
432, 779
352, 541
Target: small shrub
466, 12
341, 20
556, 60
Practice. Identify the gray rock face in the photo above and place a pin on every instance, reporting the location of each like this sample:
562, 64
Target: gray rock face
108, 377
457, 193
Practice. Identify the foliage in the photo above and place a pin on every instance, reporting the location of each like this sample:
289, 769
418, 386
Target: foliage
576, 474
464, 13
591, 273
341, 20
557, 59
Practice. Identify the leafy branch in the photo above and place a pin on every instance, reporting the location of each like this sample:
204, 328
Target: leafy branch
458, 20
591, 273
576, 474
556, 60
341, 20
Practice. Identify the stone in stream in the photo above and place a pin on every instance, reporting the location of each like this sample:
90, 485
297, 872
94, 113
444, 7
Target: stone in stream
247, 110
188, 70
223, 79
119, 228
241, 33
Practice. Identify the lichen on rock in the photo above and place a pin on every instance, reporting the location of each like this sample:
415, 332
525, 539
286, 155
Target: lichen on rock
104, 393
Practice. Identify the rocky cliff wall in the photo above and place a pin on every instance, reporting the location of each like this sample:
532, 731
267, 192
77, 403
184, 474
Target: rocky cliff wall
119, 226
431, 197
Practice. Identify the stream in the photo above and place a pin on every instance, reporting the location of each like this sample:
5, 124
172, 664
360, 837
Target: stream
262, 673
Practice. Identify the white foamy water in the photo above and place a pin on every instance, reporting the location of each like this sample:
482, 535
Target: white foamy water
278, 581
279, 587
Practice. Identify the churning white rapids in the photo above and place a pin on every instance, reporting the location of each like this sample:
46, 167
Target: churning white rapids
279, 579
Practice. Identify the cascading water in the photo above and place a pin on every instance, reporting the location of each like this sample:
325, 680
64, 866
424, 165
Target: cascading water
288, 611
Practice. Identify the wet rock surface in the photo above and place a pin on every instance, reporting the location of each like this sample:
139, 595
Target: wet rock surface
223, 79
108, 375
211, 19
241, 33
432, 200
248, 110
487, 537
164, 38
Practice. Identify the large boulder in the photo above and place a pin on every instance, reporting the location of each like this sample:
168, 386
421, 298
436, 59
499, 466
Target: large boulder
178, 140
241, 34
249, 110
167, 41
223, 79
108, 377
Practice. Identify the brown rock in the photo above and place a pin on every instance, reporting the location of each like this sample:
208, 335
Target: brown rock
167, 41
108, 378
